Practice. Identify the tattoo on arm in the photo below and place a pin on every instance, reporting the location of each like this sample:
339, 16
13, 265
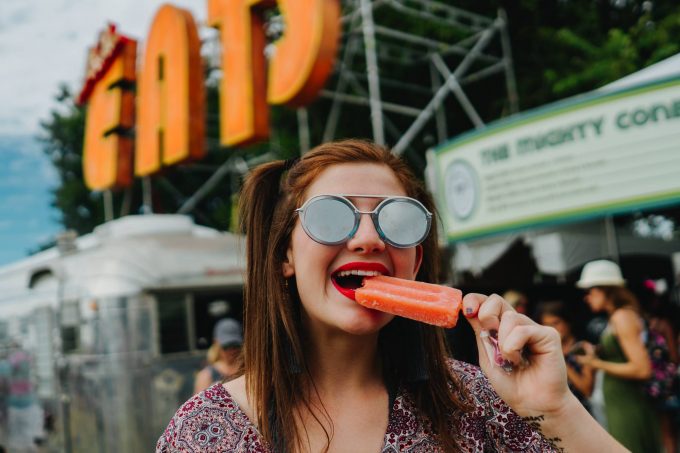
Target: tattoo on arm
535, 424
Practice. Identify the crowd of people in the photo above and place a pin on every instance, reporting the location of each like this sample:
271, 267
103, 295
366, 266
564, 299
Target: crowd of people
635, 358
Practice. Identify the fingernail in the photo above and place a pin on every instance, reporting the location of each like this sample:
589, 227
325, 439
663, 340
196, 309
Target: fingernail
469, 312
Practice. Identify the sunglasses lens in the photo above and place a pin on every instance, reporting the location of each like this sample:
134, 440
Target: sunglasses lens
329, 220
403, 223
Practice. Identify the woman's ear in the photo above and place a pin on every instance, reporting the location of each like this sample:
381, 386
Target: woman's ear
419, 259
288, 265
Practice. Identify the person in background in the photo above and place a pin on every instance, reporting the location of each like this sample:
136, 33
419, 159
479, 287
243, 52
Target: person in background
226, 355
662, 317
554, 314
622, 356
517, 300
324, 373
25, 414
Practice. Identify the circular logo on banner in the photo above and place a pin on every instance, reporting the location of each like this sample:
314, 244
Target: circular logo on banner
462, 190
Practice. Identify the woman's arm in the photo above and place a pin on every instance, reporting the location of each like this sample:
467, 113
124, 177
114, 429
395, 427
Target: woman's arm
583, 381
535, 387
203, 380
628, 327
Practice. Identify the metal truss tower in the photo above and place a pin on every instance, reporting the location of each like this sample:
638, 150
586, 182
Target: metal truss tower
481, 49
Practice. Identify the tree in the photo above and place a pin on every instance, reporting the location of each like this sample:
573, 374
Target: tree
63, 141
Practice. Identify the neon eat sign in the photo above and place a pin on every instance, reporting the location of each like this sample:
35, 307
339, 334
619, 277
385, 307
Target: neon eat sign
168, 114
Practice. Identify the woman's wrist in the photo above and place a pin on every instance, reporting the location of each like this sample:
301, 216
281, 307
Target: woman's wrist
550, 423
595, 363
571, 428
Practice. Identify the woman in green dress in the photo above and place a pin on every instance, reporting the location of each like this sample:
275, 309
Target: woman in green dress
623, 358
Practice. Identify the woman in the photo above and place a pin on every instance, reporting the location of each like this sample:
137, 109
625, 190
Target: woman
226, 352
622, 356
660, 317
580, 377
322, 373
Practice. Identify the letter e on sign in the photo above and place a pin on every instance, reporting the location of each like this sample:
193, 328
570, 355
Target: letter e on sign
170, 95
107, 148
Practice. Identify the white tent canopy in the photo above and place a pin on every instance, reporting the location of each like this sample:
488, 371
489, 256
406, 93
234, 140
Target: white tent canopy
670, 67
559, 250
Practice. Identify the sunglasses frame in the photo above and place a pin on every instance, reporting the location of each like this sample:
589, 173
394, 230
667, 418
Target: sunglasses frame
345, 199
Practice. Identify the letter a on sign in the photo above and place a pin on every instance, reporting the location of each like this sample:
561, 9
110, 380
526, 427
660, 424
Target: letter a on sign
107, 148
171, 99
301, 62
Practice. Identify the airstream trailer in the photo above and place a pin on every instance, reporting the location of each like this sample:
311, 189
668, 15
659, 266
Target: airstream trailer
116, 323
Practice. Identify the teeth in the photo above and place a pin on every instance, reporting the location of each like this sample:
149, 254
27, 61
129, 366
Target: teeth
358, 272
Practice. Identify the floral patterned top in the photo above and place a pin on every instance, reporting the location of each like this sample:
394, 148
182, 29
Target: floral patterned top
212, 422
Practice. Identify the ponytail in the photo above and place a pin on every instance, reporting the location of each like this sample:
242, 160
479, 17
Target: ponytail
259, 196
270, 339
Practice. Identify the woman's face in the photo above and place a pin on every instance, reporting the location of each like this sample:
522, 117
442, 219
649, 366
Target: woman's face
596, 300
557, 323
329, 306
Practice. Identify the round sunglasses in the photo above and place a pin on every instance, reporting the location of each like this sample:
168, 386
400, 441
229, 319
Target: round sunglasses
333, 219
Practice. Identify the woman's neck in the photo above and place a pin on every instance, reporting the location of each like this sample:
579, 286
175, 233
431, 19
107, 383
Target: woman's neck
341, 362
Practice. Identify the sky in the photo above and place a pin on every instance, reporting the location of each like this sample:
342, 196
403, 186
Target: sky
43, 43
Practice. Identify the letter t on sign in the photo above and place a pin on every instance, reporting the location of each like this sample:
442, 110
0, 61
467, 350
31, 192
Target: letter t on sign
244, 115
301, 61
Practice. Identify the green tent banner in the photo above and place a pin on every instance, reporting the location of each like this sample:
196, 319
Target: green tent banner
585, 157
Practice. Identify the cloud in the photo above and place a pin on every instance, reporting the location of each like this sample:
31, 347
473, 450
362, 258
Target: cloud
23, 156
44, 43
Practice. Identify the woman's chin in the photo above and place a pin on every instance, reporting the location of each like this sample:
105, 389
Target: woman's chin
366, 321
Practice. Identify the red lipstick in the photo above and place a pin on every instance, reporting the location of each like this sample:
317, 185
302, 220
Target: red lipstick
356, 265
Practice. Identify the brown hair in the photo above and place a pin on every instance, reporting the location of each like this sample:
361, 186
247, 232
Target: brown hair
555, 308
277, 378
621, 297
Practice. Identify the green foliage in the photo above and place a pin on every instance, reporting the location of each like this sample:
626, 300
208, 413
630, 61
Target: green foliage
590, 65
63, 140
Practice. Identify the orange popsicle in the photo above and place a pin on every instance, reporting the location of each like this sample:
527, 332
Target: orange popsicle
425, 302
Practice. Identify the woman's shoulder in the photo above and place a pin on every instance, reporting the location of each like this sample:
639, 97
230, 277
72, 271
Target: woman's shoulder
473, 386
465, 369
626, 320
213, 420
469, 377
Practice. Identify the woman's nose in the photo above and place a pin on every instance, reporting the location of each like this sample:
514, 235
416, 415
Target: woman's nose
366, 239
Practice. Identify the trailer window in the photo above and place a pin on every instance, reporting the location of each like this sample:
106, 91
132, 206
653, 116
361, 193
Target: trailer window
172, 317
209, 308
69, 319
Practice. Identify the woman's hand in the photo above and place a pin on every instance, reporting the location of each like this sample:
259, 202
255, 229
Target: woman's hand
588, 356
525, 364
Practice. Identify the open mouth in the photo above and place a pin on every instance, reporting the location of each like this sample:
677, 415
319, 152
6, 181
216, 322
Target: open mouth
348, 280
